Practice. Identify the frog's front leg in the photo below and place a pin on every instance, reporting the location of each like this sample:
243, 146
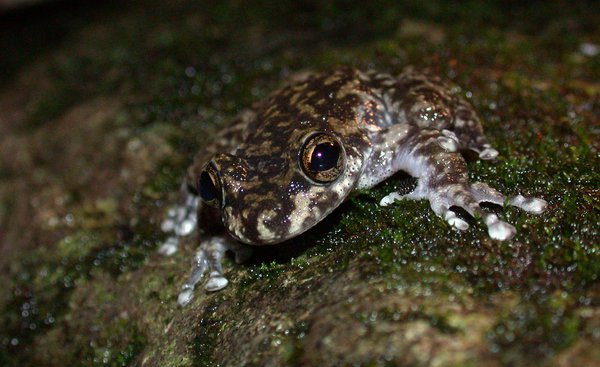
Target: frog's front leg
208, 259
181, 221
431, 156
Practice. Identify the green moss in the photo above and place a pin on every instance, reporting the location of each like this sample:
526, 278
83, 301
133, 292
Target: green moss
205, 341
536, 329
293, 344
120, 347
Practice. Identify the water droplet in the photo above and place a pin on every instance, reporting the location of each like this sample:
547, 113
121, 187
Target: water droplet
190, 72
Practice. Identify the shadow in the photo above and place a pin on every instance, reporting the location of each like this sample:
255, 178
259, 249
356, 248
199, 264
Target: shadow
28, 31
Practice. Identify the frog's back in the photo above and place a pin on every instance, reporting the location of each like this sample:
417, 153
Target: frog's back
372, 101
353, 104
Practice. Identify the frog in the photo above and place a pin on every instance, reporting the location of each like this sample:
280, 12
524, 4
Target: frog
283, 165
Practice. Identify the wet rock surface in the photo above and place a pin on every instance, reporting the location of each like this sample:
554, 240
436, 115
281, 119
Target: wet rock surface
102, 107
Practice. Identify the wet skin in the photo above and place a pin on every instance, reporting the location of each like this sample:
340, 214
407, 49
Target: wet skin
282, 166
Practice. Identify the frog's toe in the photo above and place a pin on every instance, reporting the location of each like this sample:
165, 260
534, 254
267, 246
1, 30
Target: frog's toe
390, 198
448, 144
169, 223
484, 193
185, 296
413, 194
169, 247
186, 227
498, 229
461, 196
448, 141
455, 221
531, 205
488, 153
200, 265
441, 207
216, 282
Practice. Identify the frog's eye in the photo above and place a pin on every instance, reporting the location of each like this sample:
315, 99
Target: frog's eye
209, 186
322, 158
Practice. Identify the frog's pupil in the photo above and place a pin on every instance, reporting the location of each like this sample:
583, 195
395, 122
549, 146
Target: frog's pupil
208, 191
324, 157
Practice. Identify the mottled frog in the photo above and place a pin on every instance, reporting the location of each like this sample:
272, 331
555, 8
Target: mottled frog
284, 165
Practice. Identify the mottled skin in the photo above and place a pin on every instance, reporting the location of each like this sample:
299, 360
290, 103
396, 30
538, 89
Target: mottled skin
411, 122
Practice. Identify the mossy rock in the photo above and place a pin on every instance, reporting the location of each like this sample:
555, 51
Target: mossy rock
99, 119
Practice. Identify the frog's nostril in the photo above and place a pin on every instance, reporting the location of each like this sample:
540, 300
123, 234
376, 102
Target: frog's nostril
209, 186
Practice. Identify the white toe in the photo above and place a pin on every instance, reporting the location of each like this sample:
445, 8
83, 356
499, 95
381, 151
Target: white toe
488, 153
455, 221
185, 297
216, 282
532, 205
459, 224
186, 227
167, 225
449, 144
498, 229
169, 247
389, 199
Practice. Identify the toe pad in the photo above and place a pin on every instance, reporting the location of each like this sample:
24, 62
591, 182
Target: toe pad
389, 199
532, 205
185, 297
488, 153
216, 282
498, 229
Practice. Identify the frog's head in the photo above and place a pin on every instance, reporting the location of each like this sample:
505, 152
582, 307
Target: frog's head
272, 194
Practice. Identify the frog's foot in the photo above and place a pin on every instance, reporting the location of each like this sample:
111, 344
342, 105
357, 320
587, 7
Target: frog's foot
468, 197
486, 152
459, 195
180, 222
208, 259
429, 155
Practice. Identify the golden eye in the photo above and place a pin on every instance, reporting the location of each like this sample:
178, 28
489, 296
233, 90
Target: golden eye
322, 158
209, 186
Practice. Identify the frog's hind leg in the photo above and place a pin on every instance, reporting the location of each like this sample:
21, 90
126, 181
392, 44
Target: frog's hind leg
469, 131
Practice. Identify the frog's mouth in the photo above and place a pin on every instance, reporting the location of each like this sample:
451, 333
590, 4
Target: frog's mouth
273, 221
268, 228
